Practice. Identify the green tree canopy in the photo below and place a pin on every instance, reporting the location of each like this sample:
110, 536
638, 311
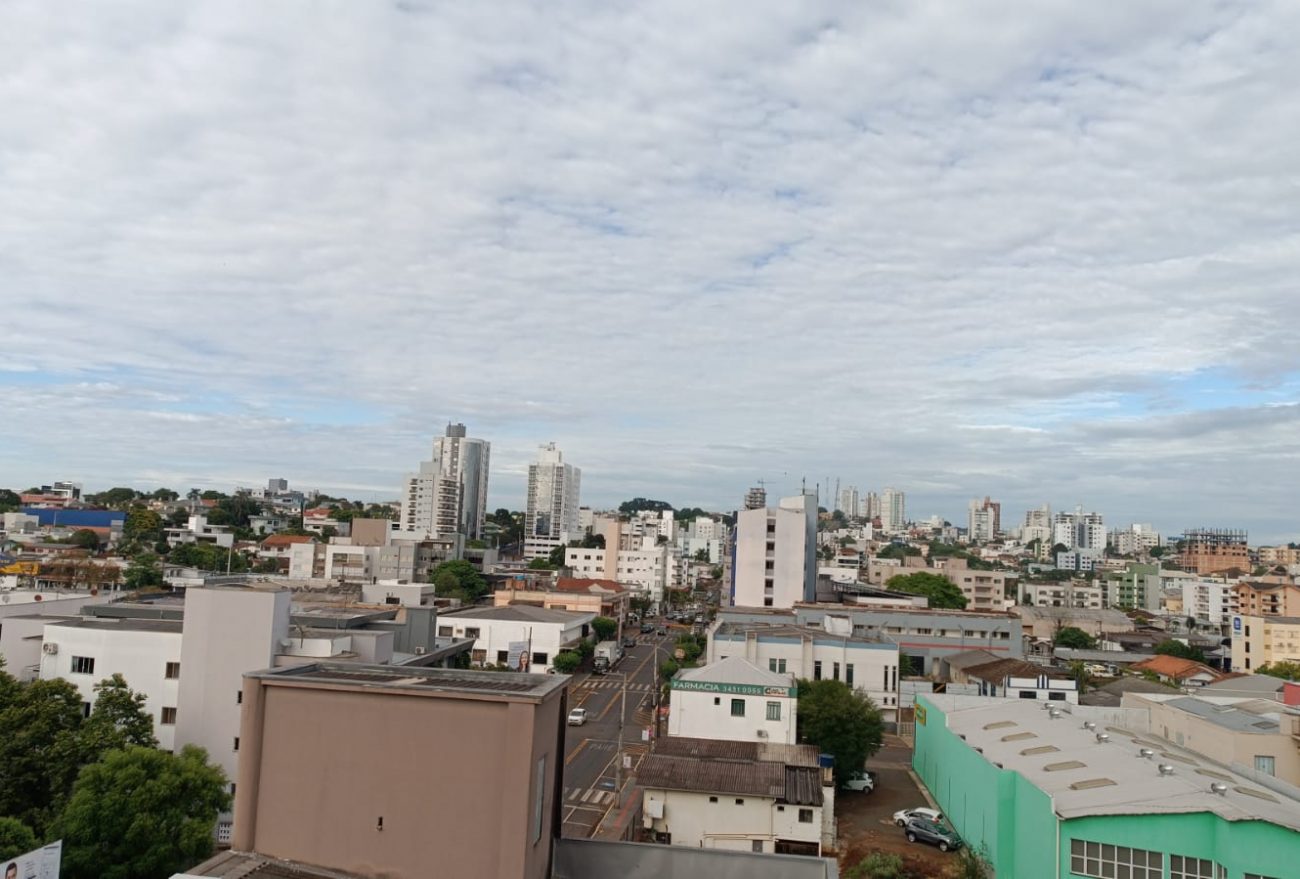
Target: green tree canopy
841, 722
86, 539
541, 565
566, 662
142, 524
469, 583
40, 750
1171, 647
1074, 638
604, 628
119, 717
115, 498
897, 551
16, 838
164, 494
144, 572
1289, 671
142, 812
941, 591
556, 558
9, 500
638, 504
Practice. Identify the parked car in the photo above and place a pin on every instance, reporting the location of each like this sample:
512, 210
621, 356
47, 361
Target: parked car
629, 641
663, 630
647, 627
921, 830
901, 816
577, 717
860, 780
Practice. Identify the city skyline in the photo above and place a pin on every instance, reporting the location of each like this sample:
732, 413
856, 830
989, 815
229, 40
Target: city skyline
907, 246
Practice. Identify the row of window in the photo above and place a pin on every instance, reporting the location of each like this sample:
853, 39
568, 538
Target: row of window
805, 815
887, 683
1104, 861
85, 665
738, 708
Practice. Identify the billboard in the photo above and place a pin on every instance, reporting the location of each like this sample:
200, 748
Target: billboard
40, 864
517, 656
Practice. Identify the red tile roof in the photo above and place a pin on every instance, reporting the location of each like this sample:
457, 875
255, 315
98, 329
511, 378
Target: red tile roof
1175, 667
285, 540
591, 586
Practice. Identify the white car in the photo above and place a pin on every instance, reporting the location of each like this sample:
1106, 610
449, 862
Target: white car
860, 780
577, 717
901, 816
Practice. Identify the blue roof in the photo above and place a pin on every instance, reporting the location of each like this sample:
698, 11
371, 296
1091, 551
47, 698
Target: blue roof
76, 518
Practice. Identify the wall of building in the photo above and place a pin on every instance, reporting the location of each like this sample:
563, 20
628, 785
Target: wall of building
1222, 744
496, 636
695, 821
705, 715
1260, 640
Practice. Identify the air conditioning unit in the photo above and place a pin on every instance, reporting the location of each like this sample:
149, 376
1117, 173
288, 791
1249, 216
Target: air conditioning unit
50, 648
419, 651
761, 733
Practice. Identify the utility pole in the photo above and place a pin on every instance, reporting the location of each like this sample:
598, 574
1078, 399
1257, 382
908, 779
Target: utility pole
618, 760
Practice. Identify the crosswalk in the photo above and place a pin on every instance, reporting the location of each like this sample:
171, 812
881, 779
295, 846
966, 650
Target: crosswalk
588, 796
615, 685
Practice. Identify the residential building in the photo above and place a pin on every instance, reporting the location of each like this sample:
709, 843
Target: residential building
984, 590
531, 636
776, 554
1137, 539
197, 530
1011, 678
1042, 623
1082, 594
60, 494
893, 510
1261, 597
1086, 792
1247, 686
448, 495
1279, 555
645, 570
1262, 640
1215, 551
1178, 671
743, 796
871, 506
848, 502
984, 520
551, 519
868, 664
388, 809
733, 699
756, 498
1259, 734
603, 597
1137, 587
1080, 531
1206, 601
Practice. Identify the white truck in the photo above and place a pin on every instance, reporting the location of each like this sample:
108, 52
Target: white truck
607, 655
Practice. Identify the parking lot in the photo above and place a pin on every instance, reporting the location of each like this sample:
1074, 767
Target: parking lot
865, 820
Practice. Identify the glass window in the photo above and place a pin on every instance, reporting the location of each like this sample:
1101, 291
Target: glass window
172, 671
773, 710
83, 665
471, 633
848, 673
835, 671
757, 845
737, 707
1264, 764
539, 659
168, 716
776, 665
817, 670
1182, 867
805, 816
539, 793
1104, 861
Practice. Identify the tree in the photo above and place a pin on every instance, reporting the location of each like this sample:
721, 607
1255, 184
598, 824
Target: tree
905, 666
566, 662
668, 668
897, 551
16, 838
40, 750
639, 504
701, 555
164, 494
556, 558
1074, 638
86, 539
604, 627
1289, 671
142, 524
1170, 647
540, 565
942, 592
469, 583
1081, 676
973, 863
114, 498
142, 812
119, 716
878, 865
9, 501
144, 572
841, 722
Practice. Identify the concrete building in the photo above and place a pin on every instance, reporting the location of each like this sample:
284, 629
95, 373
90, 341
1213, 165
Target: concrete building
1075, 593
1080, 532
1009, 678
1262, 640
735, 700
1042, 623
551, 517
645, 570
984, 520
1207, 601
448, 495
531, 634
1137, 587
1137, 539
1215, 551
1072, 793
1261, 597
1177, 671
742, 796
336, 770
756, 498
984, 590
869, 665
849, 503
893, 510
197, 530
776, 554
602, 597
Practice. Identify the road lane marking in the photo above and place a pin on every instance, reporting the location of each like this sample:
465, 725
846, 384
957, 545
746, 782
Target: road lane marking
582, 744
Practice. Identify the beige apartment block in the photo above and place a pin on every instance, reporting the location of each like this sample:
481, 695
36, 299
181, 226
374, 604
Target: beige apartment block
1266, 596
402, 773
1261, 640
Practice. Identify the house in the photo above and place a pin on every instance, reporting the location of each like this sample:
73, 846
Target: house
742, 796
1175, 670
1111, 695
733, 699
531, 635
1017, 679
604, 597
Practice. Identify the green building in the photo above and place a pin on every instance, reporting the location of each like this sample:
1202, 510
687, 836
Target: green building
1050, 790
1137, 587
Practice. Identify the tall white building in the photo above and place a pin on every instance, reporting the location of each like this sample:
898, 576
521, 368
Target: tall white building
449, 493
893, 510
776, 554
871, 505
552, 512
1080, 531
982, 521
849, 502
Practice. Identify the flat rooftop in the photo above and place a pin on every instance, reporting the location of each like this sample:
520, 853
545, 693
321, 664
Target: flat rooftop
119, 624
1085, 777
520, 613
738, 630
509, 686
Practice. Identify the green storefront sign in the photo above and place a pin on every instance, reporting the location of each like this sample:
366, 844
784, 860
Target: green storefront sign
735, 689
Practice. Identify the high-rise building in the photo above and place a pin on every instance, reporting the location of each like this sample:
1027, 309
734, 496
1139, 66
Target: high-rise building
756, 498
849, 502
449, 493
893, 510
552, 511
776, 554
1080, 531
984, 520
1214, 551
871, 505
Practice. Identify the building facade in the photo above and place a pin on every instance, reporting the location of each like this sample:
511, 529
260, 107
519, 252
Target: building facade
1262, 640
984, 520
1214, 551
893, 510
448, 495
551, 517
501, 634
776, 554
733, 699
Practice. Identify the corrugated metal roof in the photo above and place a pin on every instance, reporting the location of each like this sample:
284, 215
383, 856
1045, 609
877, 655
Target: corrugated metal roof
736, 670
712, 776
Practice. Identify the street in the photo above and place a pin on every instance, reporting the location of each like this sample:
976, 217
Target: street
591, 750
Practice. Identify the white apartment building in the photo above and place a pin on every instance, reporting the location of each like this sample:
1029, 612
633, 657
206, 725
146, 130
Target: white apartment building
197, 530
1076, 593
1136, 539
849, 502
869, 665
705, 528
736, 700
646, 570
776, 554
1207, 600
551, 518
448, 495
538, 632
1081, 532
893, 510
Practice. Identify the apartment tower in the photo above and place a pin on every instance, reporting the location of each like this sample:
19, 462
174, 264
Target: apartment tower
552, 510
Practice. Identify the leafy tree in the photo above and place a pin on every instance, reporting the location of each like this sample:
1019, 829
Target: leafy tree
1074, 638
9, 501
86, 539
942, 592
1157, 552
1171, 647
142, 812
668, 668
638, 504
142, 524
897, 551
701, 555
16, 838
114, 498
566, 662
40, 750
143, 572
586, 649
590, 541
604, 628
556, 558
690, 648
690, 514
119, 716
164, 494
541, 565
211, 495
1289, 671
841, 722
469, 583
878, 865
1081, 675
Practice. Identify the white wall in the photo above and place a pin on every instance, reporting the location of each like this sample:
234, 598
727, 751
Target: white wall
694, 821
496, 635
875, 669
704, 715
793, 554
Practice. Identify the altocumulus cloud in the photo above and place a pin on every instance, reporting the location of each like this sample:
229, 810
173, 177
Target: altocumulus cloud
1042, 253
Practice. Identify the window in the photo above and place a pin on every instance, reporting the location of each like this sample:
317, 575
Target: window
172, 671
239, 697
1264, 764
776, 665
539, 659
539, 794
1104, 861
236, 743
1056, 697
805, 816
85, 709
503, 656
444, 631
848, 673
737, 707
1029, 694
471, 633
757, 846
478, 657
1181, 867
717, 700
168, 716
817, 670
739, 801
835, 673
773, 710
232, 788
713, 799
83, 665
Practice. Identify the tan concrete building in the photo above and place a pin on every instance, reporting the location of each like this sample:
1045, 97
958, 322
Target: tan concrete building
402, 773
1266, 596
1260, 640
1214, 551
604, 597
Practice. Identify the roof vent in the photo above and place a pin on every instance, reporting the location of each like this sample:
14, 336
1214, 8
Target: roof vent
1089, 725
1219, 788
1103, 738
1146, 752
1165, 769
1054, 713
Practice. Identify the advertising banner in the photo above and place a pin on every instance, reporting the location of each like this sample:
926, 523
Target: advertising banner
40, 864
517, 656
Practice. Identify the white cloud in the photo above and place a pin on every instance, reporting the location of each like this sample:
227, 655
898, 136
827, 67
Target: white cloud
697, 246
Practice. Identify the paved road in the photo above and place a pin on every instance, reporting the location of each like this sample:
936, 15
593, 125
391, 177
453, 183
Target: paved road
591, 751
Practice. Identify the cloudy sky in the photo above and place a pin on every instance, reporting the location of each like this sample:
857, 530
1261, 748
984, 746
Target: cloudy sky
1046, 252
